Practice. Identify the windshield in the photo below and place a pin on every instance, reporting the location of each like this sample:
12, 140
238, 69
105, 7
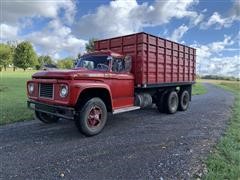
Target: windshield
100, 63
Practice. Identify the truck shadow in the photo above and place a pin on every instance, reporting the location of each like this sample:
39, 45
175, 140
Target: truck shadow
67, 129
133, 119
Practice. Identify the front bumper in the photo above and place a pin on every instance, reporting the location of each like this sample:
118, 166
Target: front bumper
59, 111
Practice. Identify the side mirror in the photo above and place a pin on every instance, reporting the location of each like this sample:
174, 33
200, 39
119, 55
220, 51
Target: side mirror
128, 63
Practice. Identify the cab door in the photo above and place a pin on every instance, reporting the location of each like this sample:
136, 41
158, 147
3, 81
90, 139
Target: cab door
121, 84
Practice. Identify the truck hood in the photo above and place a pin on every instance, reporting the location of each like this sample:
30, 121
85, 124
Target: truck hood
68, 74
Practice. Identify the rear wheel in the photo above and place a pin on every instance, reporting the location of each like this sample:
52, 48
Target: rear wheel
92, 117
171, 105
161, 102
46, 118
183, 100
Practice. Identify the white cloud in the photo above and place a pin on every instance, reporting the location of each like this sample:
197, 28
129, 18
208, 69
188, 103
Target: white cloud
125, 17
220, 45
205, 51
8, 32
210, 61
163, 11
219, 21
53, 39
222, 66
108, 20
117, 18
56, 38
14, 10
178, 33
198, 19
235, 11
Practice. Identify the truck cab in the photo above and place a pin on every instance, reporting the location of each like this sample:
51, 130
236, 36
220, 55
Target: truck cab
101, 82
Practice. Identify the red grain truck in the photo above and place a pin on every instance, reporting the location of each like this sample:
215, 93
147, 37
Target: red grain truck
123, 74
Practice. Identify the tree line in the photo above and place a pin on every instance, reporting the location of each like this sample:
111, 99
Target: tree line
22, 55
217, 77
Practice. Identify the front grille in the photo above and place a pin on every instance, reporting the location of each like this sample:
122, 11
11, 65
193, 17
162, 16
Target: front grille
46, 90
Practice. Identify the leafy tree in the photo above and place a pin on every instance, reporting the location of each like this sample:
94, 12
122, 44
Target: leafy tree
13, 45
43, 60
66, 63
6, 56
90, 45
25, 56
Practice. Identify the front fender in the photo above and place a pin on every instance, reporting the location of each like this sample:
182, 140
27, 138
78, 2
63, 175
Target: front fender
78, 87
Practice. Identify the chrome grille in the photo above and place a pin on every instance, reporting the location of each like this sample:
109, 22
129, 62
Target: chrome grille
46, 90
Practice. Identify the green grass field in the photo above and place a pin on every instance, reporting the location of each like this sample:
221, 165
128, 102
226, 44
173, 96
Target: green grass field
198, 89
13, 96
224, 162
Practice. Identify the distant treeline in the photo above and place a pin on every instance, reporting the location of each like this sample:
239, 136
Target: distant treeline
23, 55
215, 77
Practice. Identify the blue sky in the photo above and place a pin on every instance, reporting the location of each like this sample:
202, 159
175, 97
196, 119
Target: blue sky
61, 28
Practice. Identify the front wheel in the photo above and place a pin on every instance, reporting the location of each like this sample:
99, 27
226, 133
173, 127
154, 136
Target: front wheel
92, 117
46, 118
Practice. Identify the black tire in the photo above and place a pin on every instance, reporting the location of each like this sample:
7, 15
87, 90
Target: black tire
46, 118
184, 98
92, 117
171, 103
161, 102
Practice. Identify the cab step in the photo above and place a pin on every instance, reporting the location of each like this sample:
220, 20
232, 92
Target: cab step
126, 109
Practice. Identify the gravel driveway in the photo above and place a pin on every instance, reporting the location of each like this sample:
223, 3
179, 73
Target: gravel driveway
142, 144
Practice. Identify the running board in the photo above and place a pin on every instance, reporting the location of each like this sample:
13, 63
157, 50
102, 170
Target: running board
126, 109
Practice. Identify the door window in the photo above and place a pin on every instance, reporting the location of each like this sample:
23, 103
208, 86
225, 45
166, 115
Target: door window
118, 65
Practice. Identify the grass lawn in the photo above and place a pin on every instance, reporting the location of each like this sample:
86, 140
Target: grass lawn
198, 89
224, 162
13, 96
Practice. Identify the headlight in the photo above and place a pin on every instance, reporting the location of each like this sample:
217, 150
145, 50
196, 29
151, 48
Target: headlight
30, 88
63, 91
